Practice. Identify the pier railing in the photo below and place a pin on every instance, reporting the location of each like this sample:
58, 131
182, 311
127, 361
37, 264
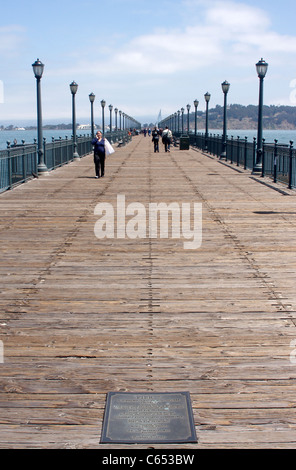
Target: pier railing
19, 163
278, 160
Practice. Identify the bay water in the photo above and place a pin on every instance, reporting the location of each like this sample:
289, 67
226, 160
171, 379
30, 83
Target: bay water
29, 135
283, 136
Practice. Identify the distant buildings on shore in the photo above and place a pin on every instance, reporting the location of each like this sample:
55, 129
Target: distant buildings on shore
49, 127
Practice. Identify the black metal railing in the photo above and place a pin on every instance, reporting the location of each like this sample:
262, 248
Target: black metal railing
19, 163
278, 160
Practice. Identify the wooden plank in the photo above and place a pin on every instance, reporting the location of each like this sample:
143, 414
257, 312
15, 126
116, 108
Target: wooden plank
82, 316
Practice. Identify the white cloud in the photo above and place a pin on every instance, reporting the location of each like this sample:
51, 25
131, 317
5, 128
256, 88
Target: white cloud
230, 31
226, 33
11, 39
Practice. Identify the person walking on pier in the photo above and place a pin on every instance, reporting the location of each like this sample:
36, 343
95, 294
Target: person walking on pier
167, 139
155, 139
102, 147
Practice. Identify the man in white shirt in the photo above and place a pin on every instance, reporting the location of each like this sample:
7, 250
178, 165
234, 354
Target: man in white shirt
167, 139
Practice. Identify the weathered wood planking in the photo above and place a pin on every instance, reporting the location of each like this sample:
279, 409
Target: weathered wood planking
80, 317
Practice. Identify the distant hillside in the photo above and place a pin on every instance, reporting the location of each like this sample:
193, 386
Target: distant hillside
246, 117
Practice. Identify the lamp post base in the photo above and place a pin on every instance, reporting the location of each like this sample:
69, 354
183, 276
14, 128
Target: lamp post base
42, 170
223, 156
76, 157
257, 170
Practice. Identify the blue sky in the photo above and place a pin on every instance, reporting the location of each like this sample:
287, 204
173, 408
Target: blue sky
143, 56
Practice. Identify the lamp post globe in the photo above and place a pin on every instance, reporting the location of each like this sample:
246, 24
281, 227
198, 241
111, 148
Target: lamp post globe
92, 97
38, 68
261, 68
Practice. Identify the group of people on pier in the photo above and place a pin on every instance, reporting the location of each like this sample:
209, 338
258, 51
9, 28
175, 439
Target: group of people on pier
166, 136
102, 146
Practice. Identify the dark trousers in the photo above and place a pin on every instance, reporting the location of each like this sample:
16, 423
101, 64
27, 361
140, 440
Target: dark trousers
156, 148
99, 160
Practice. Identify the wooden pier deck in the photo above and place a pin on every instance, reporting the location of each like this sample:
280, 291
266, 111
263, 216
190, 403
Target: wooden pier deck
80, 316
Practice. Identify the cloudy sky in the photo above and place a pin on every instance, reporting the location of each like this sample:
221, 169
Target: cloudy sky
143, 56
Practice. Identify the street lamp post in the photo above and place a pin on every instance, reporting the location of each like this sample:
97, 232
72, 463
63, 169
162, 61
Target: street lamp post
110, 109
207, 98
120, 114
92, 99
261, 68
178, 112
74, 88
38, 68
188, 109
182, 120
103, 104
225, 88
196, 103
116, 112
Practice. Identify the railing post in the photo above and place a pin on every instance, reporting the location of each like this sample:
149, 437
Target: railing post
231, 150
237, 153
245, 153
290, 164
254, 151
275, 161
24, 161
67, 149
9, 167
263, 158
44, 150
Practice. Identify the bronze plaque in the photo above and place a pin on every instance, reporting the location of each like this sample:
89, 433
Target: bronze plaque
148, 418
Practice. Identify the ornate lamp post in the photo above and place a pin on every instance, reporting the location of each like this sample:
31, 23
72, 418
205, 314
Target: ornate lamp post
110, 109
225, 88
178, 112
74, 88
261, 68
196, 103
188, 109
38, 68
207, 98
92, 99
103, 104
116, 111
120, 114
182, 120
